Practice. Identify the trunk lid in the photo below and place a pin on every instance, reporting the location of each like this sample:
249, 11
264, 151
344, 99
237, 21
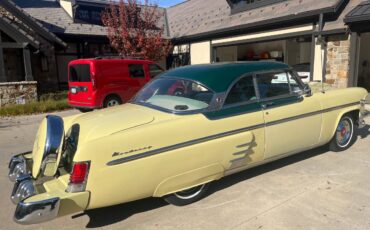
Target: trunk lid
81, 83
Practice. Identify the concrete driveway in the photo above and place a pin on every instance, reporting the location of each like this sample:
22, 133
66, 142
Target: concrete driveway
312, 190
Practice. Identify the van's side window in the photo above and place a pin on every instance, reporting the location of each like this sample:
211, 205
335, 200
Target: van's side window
136, 71
154, 70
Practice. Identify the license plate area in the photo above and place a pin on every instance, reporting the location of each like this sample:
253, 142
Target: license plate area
76, 89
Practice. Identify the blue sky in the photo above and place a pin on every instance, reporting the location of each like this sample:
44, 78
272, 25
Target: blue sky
167, 3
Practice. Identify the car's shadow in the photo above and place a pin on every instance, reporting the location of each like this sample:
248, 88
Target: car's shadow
110, 215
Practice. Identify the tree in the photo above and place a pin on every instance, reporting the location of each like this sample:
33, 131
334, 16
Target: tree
133, 29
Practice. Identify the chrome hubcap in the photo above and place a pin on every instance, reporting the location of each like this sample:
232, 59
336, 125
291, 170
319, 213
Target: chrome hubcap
190, 193
344, 132
112, 103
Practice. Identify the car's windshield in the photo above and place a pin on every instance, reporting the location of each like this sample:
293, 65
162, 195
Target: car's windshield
176, 95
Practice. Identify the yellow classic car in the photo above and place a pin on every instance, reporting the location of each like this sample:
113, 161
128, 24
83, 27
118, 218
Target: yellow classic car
186, 128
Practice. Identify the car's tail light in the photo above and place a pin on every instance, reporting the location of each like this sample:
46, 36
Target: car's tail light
78, 178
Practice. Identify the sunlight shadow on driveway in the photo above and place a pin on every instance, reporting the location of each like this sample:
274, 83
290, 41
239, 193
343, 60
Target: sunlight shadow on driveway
110, 215
106, 216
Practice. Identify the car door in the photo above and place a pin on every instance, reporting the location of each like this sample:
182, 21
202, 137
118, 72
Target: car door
242, 119
293, 120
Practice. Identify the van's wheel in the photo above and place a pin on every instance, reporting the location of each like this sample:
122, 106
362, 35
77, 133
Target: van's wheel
85, 110
187, 196
111, 101
344, 136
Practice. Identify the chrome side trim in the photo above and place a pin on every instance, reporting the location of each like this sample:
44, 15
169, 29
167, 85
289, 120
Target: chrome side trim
182, 145
310, 114
225, 134
36, 212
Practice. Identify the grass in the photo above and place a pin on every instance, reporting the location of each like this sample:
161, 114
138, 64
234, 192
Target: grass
42, 106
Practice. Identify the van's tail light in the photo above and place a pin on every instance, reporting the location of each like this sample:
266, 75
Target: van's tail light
93, 83
78, 178
93, 80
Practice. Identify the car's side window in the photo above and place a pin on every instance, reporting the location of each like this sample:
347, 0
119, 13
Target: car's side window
273, 84
242, 91
136, 71
154, 70
295, 84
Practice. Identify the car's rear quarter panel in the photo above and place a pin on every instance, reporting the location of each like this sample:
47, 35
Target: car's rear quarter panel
172, 170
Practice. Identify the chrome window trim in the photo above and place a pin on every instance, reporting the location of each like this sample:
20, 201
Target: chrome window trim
268, 72
231, 87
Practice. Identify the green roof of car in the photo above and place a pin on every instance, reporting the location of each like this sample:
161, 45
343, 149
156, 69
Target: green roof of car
219, 76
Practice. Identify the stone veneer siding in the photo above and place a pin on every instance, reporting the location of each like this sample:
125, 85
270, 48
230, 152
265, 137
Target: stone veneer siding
17, 92
337, 61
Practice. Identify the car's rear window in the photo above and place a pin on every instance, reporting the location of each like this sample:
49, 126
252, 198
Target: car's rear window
79, 73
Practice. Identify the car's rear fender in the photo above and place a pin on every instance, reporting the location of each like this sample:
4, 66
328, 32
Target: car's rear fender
187, 180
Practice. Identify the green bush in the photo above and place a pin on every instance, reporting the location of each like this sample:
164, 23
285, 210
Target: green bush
35, 107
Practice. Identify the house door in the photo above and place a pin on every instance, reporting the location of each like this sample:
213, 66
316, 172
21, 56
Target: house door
364, 62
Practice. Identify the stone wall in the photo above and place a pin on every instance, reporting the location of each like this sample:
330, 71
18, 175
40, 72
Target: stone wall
17, 92
337, 63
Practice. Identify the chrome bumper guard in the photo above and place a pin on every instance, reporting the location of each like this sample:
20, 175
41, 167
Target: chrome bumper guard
32, 212
363, 114
37, 212
23, 188
18, 167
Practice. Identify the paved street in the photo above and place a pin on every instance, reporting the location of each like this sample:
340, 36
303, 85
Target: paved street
312, 190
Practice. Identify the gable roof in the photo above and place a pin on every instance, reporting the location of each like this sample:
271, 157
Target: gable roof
220, 76
197, 18
359, 13
17, 32
339, 23
30, 22
57, 20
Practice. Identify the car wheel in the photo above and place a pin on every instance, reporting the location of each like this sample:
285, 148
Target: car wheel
187, 196
112, 101
85, 110
344, 136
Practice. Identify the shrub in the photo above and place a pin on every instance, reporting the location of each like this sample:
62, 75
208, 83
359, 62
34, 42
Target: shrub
43, 106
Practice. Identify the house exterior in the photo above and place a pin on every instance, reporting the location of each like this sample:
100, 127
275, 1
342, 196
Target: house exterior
332, 37
292, 31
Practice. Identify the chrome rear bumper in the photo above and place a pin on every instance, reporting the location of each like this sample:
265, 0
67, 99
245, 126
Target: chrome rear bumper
28, 212
37, 212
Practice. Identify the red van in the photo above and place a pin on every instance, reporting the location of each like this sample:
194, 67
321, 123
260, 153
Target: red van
100, 83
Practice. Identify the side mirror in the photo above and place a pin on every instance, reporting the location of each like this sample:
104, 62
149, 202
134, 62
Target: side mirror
307, 91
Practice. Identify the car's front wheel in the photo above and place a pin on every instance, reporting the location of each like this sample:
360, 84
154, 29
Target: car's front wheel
187, 196
344, 135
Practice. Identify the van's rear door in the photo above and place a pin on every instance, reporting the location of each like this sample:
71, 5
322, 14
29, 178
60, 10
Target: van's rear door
80, 84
